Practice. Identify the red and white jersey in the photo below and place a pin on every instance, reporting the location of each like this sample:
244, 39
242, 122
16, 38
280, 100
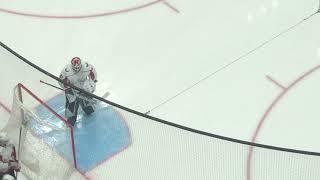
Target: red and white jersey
87, 72
7, 154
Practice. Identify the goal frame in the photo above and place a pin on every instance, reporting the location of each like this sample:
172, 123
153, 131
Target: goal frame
21, 87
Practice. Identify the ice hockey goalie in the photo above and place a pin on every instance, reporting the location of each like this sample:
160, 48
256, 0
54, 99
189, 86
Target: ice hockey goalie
84, 76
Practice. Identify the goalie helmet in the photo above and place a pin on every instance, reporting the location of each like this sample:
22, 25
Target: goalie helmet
76, 64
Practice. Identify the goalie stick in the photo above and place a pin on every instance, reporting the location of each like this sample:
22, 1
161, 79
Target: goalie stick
105, 95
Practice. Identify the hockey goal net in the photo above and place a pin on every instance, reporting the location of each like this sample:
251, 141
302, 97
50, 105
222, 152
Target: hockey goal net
43, 138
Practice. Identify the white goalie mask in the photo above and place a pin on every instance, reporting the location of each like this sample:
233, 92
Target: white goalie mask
76, 64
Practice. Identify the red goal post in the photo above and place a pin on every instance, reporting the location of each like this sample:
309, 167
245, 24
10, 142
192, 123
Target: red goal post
39, 157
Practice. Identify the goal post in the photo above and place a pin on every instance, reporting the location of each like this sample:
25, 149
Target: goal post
43, 137
67, 124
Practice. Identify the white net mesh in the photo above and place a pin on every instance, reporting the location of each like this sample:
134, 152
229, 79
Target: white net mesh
46, 150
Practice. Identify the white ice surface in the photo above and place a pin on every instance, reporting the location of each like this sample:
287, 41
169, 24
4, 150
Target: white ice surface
146, 56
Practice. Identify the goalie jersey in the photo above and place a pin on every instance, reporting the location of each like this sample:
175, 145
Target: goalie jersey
87, 73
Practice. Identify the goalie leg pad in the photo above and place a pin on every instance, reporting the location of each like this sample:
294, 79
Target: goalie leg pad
88, 110
71, 111
71, 95
88, 106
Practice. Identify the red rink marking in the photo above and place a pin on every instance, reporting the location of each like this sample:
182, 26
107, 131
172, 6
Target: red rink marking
122, 11
171, 7
268, 112
276, 82
5, 108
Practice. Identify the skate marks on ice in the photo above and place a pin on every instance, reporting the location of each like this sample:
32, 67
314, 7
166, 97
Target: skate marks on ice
98, 137
118, 8
285, 89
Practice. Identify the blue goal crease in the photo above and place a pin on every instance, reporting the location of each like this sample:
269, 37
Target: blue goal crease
97, 137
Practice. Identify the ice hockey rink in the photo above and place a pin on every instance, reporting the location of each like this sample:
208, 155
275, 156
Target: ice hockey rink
248, 70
